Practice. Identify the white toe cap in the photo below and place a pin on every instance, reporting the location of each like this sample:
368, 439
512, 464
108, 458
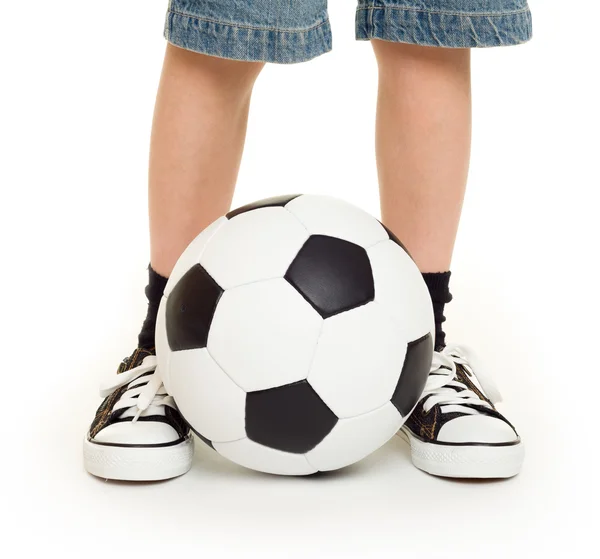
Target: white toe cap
138, 433
476, 429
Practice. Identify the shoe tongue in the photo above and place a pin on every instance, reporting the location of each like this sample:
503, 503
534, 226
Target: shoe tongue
465, 382
472, 383
135, 359
152, 409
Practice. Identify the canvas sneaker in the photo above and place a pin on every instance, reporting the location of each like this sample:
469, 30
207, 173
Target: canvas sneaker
138, 434
455, 429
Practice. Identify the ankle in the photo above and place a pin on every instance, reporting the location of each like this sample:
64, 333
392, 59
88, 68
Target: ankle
154, 291
439, 290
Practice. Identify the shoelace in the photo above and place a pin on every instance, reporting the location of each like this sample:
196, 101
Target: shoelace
145, 395
443, 388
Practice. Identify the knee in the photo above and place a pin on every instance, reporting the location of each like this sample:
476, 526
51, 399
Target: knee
229, 76
400, 60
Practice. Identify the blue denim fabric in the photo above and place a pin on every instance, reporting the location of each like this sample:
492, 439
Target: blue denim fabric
288, 31
445, 23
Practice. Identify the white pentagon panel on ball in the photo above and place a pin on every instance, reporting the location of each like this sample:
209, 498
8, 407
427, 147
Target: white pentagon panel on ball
162, 345
358, 361
253, 246
207, 398
191, 255
264, 459
323, 215
264, 335
400, 289
355, 438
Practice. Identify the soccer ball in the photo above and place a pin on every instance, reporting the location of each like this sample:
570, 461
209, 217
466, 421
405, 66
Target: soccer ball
295, 335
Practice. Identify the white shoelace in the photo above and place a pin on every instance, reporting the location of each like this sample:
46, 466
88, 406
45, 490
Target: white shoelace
145, 395
443, 388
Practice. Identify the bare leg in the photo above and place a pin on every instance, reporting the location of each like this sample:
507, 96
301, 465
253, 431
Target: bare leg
423, 146
197, 142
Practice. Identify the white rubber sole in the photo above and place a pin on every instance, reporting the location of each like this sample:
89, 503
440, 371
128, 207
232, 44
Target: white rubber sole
138, 463
476, 462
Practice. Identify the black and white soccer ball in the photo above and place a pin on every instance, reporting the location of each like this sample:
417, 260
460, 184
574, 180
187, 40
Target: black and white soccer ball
295, 335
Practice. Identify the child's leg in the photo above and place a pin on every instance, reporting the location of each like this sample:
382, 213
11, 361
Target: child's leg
202, 105
197, 140
424, 116
423, 146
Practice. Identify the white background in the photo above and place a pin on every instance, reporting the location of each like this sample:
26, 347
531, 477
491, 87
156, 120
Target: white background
78, 86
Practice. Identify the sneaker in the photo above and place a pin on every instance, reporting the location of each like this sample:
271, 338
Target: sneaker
455, 429
138, 434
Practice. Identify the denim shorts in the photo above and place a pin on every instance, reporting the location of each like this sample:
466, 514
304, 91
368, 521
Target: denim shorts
287, 31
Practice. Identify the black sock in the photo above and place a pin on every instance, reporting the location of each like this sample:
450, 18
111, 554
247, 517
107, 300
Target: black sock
154, 291
438, 285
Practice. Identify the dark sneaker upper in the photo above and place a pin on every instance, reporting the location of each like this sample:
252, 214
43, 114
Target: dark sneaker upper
137, 410
458, 405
